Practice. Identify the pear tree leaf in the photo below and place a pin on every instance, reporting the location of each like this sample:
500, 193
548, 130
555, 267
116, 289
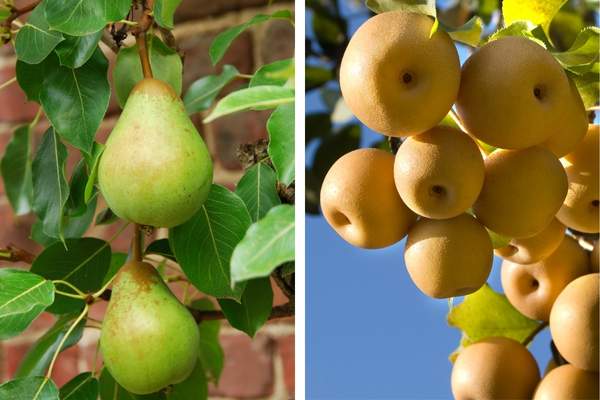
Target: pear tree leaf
166, 66
80, 18
4, 12
469, 33
31, 387
35, 40
161, 247
203, 92
582, 56
93, 161
588, 86
23, 296
258, 190
164, 11
117, 260
110, 390
82, 262
267, 244
75, 51
38, 357
210, 350
486, 313
276, 73
498, 241
539, 12
31, 76
525, 29
203, 245
15, 168
194, 386
417, 6
222, 42
75, 100
317, 76
50, 188
83, 387
281, 142
254, 310
257, 97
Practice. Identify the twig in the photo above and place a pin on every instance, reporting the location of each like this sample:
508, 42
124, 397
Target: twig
8, 83
64, 339
14, 254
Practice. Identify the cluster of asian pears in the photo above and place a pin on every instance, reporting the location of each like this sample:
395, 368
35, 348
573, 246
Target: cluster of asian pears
524, 167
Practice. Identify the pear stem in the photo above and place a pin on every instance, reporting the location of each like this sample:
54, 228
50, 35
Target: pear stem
64, 339
70, 285
136, 244
145, 22
144, 58
74, 296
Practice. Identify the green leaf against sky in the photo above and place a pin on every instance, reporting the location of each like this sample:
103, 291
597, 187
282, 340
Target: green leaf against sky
222, 42
583, 55
50, 188
75, 100
35, 40
203, 245
15, 168
258, 190
23, 296
267, 244
469, 33
83, 387
539, 12
282, 142
31, 387
254, 310
79, 18
205, 90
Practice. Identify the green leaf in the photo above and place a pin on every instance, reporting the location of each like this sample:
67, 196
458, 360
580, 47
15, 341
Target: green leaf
32, 387
38, 357
31, 76
79, 18
254, 310
203, 245
486, 313
83, 387
317, 76
277, 73
193, 387
50, 189
582, 56
267, 244
15, 168
258, 97
106, 217
222, 42
161, 247
469, 33
166, 66
258, 190
210, 350
75, 202
498, 241
82, 262
75, 100
4, 12
203, 92
75, 51
418, 6
35, 41
539, 12
23, 296
588, 86
525, 29
111, 390
281, 142
117, 260
164, 11
92, 162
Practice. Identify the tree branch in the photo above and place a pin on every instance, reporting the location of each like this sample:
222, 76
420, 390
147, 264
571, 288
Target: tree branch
14, 14
14, 254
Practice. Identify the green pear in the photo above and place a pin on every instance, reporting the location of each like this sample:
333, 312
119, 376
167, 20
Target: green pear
149, 340
155, 169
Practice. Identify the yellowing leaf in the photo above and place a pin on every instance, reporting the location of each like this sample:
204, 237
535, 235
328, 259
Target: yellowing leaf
540, 12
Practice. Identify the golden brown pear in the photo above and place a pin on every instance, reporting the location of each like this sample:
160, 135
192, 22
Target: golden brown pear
512, 93
595, 257
396, 77
586, 154
568, 383
574, 322
534, 248
522, 191
449, 257
494, 368
360, 201
580, 210
533, 288
439, 173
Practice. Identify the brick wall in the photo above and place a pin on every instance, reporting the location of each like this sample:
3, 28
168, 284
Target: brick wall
260, 368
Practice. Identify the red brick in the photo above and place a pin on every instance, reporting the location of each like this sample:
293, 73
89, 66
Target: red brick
248, 371
191, 9
278, 42
15, 106
66, 367
286, 348
13, 354
15, 230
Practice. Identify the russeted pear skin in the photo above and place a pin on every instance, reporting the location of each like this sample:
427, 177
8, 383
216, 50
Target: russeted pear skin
512, 93
149, 339
360, 201
155, 169
449, 257
581, 207
567, 382
533, 288
393, 66
494, 368
439, 173
587, 153
535, 248
522, 191
574, 322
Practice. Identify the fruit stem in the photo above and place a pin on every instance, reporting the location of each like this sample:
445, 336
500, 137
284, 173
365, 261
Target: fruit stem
143, 50
70, 285
136, 244
145, 22
64, 339
74, 296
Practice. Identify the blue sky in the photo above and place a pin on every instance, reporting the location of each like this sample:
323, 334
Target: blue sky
370, 334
